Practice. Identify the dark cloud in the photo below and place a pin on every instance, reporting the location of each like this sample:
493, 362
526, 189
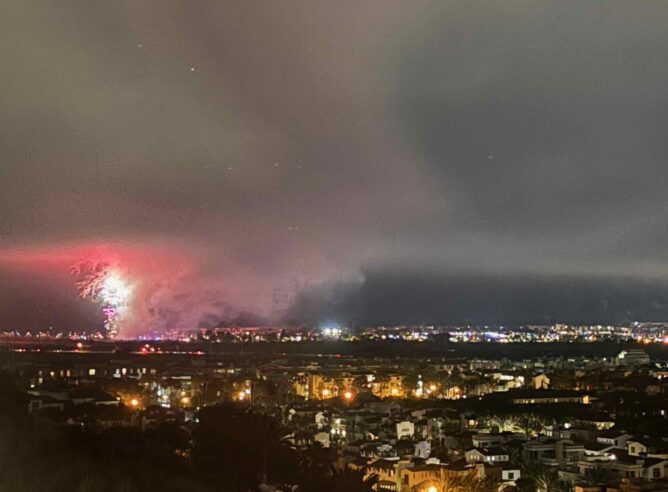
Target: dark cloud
456, 298
543, 120
288, 140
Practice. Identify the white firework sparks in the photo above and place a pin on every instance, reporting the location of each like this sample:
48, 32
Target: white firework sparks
115, 291
108, 288
114, 296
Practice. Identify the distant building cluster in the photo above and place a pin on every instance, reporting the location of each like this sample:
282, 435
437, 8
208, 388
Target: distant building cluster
655, 332
415, 424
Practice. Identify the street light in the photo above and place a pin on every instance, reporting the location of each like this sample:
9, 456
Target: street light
432, 489
348, 395
325, 393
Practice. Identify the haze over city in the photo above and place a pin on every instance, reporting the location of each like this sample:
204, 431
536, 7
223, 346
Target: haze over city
407, 154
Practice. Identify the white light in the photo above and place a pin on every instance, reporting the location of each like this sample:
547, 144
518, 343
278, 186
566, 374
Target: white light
115, 291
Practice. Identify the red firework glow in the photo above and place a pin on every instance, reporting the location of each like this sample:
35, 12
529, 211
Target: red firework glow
139, 288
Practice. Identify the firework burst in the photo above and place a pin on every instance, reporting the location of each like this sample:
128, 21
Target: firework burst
99, 282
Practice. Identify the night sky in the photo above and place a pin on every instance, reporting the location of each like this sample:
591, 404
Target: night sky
393, 161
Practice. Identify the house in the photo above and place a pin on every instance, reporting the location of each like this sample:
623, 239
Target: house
113, 416
647, 447
386, 471
553, 452
405, 429
510, 473
599, 451
616, 439
567, 451
96, 397
636, 447
37, 403
632, 357
422, 449
487, 440
632, 467
378, 450
540, 381
549, 397
322, 438
636, 485
538, 449
487, 455
655, 468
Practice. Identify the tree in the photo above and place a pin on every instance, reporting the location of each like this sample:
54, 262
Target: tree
346, 480
597, 476
236, 449
314, 464
486, 484
447, 482
532, 424
547, 480
504, 423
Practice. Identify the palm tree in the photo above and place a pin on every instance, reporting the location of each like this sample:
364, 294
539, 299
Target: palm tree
447, 482
548, 480
314, 463
486, 484
276, 451
348, 480
517, 456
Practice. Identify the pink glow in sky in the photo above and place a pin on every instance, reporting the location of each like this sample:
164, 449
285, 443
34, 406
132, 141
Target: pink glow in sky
169, 286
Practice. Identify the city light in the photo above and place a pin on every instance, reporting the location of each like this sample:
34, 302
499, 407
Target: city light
356, 246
